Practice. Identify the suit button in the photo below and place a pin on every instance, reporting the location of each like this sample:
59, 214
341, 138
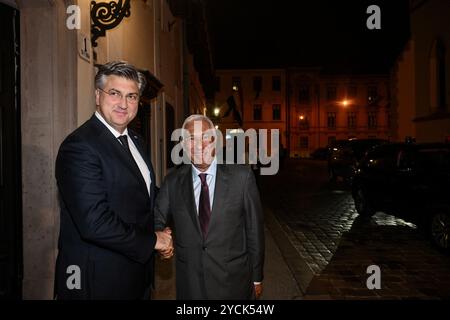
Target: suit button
204, 248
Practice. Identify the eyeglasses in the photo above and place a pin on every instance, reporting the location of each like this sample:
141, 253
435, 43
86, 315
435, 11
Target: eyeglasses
117, 96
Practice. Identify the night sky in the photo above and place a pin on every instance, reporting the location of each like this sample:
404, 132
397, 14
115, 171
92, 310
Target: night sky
331, 34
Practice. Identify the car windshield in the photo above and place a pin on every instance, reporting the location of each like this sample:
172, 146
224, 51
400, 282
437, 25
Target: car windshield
360, 147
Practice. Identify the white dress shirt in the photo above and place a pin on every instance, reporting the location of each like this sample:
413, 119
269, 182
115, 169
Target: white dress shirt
210, 180
134, 151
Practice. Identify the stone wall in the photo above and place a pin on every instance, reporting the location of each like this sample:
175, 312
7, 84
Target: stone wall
48, 101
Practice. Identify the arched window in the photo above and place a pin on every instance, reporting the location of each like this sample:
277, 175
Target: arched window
437, 76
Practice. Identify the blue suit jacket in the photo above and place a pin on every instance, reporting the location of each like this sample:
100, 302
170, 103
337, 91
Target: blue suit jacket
107, 224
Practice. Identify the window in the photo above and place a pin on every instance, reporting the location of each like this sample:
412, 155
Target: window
304, 143
217, 84
352, 91
351, 120
276, 83
331, 123
372, 94
257, 84
236, 83
257, 112
437, 79
303, 123
331, 93
303, 94
372, 120
383, 158
276, 112
406, 159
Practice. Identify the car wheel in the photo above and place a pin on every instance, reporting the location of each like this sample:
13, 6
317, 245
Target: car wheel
362, 204
440, 230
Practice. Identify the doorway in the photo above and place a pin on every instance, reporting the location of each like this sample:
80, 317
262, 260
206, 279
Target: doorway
11, 261
170, 128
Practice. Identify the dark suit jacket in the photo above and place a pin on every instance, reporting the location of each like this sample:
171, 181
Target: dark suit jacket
107, 223
230, 259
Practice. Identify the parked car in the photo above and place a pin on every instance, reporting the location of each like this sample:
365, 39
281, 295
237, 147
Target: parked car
320, 154
345, 154
410, 181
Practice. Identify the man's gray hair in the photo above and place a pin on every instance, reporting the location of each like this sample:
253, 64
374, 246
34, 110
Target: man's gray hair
199, 117
120, 69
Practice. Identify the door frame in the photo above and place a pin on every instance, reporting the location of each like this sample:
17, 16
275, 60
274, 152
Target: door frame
12, 159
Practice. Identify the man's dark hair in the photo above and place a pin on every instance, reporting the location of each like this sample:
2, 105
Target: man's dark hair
120, 69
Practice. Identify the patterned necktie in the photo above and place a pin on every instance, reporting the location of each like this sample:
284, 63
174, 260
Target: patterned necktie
204, 207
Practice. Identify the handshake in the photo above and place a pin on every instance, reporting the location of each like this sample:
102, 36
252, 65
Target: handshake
164, 243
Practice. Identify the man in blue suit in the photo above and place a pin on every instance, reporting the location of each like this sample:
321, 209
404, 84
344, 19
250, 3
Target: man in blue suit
107, 190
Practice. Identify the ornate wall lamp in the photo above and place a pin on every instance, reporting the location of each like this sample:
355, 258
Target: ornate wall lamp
107, 16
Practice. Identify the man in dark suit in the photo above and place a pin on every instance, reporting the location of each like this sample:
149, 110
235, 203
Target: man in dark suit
218, 221
107, 191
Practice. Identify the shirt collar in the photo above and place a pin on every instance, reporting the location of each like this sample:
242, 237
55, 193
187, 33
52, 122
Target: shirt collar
113, 131
211, 170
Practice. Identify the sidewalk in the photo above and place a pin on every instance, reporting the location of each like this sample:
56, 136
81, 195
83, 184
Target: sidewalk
286, 275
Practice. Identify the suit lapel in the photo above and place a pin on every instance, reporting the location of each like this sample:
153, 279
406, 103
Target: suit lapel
220, 195
115, 144
187, 191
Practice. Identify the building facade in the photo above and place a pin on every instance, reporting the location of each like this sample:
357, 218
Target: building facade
421, 75
49, 48
324, 107
259, 97
310, 107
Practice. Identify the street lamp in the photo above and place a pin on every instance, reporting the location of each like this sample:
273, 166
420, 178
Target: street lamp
345, 102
